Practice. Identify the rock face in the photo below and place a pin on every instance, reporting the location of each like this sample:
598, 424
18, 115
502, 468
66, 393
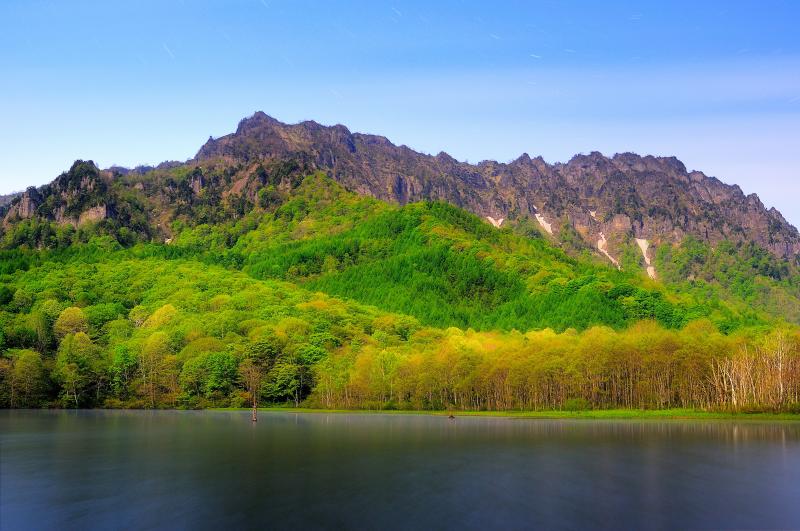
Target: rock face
75, 197
25, 206
93, 214
613, 199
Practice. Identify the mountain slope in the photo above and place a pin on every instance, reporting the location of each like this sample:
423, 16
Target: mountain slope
448, 268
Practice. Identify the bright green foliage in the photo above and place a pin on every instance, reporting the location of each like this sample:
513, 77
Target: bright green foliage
210, 374
123, 371
26, 380
80, 368
282, 382
733, 273
323, 296
440, 264
70, 321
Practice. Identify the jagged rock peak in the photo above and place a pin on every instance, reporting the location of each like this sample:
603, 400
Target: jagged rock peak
76, 196
644, 196
622, 197
258, 119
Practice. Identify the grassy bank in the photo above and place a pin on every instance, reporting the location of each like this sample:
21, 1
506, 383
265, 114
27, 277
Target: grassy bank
643, 414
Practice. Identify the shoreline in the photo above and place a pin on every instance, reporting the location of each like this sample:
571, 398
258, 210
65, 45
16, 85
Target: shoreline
600, 414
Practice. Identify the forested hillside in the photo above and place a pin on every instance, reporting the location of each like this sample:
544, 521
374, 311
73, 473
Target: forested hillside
315, 295
119, 328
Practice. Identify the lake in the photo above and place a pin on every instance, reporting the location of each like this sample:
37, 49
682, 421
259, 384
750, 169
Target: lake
214, 470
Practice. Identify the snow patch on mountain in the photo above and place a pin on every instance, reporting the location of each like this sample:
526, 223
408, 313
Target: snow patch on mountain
644, 245
495, 222
602, 246
543, 222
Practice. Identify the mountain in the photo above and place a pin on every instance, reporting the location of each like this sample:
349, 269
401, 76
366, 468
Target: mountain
643, 215
211, 283
339, 300
607, 200
610, 202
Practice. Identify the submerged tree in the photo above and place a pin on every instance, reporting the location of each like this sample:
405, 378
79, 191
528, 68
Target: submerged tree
251, 375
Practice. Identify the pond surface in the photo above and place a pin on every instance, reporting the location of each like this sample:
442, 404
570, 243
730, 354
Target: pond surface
217, 470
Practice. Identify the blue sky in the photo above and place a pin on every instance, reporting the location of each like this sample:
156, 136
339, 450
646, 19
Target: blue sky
716, 84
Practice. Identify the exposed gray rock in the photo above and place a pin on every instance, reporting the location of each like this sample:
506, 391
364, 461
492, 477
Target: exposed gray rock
633, 196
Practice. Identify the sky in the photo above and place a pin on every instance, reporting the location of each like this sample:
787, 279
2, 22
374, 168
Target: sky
716, 84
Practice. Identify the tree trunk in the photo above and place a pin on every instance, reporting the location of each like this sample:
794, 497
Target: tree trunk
254, 417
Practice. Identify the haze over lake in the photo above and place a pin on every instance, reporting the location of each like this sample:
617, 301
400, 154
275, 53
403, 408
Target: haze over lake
212, 470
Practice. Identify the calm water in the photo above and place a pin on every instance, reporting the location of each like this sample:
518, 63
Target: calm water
215, 470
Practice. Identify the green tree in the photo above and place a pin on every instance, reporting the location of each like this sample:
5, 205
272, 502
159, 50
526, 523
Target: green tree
221, 373
123, 370
283, 382
193, 375
79, 367
27, 378
71, 321
152, 365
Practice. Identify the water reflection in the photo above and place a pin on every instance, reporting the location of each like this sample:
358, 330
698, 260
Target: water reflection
216, 469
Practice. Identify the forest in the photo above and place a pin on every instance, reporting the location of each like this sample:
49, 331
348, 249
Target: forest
322, 298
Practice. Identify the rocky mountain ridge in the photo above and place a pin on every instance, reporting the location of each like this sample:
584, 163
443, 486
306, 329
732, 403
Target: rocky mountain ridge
608, 204
607, 200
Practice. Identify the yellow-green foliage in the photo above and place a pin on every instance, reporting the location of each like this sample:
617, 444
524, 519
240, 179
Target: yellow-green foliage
322, 296
191, 324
